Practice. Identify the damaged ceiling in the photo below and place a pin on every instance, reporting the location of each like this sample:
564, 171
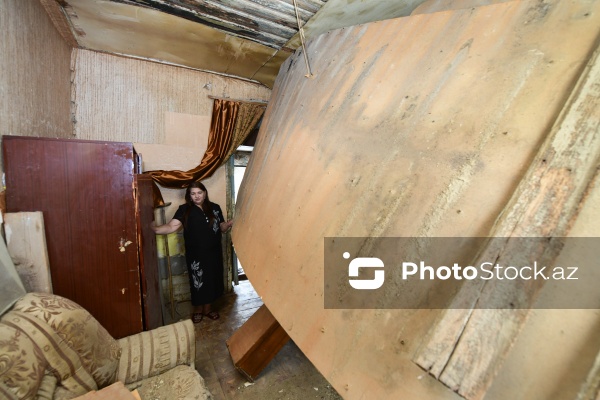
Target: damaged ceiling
248, 39
271, 23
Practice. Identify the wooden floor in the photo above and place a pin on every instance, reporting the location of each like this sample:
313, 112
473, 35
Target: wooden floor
289, 376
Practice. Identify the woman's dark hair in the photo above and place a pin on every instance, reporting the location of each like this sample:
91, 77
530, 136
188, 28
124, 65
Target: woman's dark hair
206, 204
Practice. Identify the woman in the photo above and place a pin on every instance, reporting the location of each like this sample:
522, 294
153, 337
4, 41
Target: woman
202, 223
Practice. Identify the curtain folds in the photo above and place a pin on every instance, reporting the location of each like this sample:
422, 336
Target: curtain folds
248, 116
231, 123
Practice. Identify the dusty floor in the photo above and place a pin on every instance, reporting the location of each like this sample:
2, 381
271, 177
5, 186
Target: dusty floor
290, 375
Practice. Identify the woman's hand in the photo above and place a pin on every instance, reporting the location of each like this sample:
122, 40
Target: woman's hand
226, 225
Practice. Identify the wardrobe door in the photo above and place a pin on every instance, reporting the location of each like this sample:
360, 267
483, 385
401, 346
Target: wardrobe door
85, 191
151, 300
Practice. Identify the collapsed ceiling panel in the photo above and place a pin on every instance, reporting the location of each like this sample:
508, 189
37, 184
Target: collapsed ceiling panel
268, 22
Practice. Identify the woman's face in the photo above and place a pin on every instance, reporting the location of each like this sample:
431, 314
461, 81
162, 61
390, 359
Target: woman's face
198, 195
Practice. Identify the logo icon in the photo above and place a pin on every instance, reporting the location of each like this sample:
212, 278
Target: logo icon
365, 262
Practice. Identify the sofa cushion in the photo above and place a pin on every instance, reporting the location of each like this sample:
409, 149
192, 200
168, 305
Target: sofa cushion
22, 364
151, 353
79, 333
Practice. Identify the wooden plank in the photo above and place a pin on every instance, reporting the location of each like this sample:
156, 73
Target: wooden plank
544, 205
60, 21
26, 243
590, 389
217, 16
267, 11
256, 343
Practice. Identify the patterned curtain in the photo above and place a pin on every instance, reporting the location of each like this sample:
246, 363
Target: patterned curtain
231, 123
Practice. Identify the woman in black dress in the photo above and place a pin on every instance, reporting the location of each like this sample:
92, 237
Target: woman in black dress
202, 223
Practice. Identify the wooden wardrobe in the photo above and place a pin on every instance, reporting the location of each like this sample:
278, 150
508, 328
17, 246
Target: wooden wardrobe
97, 214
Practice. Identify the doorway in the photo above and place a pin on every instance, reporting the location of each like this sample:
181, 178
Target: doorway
236, 168
240, 162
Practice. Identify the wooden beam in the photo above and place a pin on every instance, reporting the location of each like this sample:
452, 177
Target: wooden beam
468, 344
256, 343
60, 21
590, 390
253, 101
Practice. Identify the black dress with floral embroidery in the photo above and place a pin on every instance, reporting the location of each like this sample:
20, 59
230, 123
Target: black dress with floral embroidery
203, 253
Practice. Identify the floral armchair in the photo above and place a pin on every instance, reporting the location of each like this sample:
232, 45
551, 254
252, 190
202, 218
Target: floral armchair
51, 348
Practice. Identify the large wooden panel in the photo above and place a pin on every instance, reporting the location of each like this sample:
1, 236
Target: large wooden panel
26, 242
416, 127
85, 190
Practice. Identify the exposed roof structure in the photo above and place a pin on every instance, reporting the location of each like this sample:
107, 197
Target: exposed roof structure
248, 39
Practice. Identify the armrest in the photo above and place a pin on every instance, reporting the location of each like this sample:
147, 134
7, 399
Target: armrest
151, 353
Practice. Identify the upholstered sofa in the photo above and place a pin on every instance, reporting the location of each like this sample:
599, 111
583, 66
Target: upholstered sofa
51, 348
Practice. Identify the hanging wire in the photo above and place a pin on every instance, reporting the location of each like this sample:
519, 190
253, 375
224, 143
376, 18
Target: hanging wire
302, 40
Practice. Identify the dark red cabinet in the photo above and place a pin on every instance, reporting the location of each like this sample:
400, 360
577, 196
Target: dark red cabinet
97, 215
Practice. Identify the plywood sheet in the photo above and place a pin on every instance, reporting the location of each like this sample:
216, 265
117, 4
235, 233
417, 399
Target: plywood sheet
416, 127
26, 239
